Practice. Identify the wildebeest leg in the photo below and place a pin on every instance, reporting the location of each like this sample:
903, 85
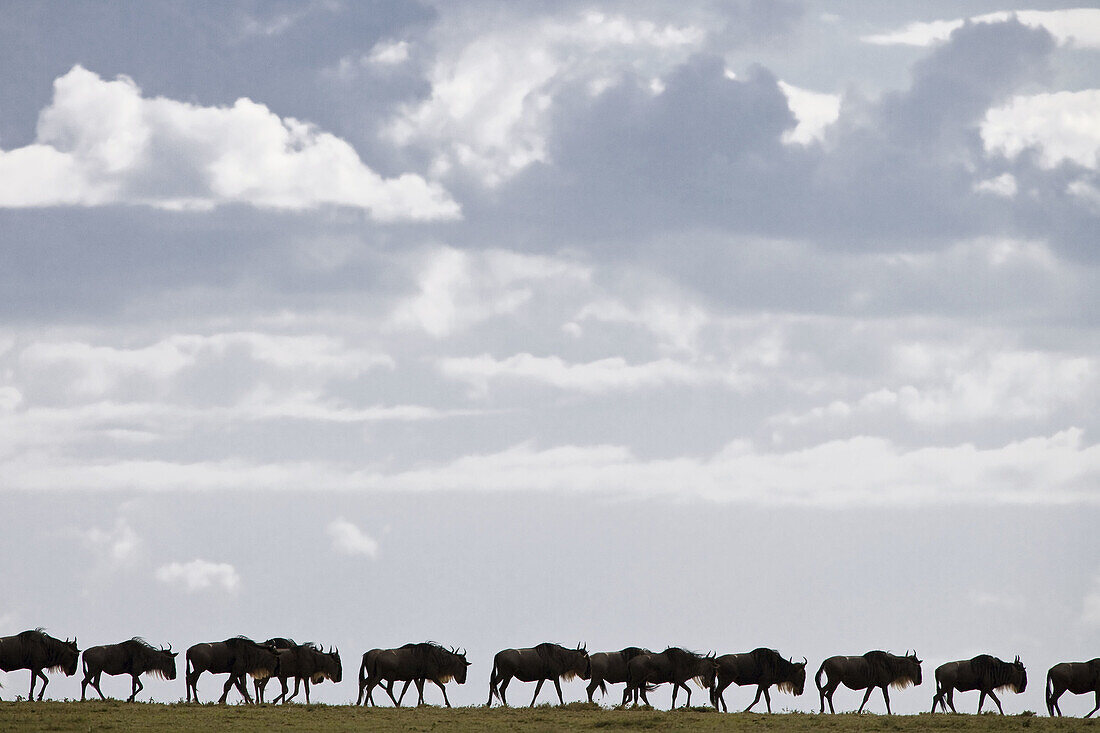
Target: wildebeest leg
886, 697
759, 692
768, 699
45, 681
401, 697
716, 695
994, 696
865, 699
1091, 711
419, 691
306, 683
951, 699
537, 688
284, 683
503, 688
136, 687
226, 689
592, 688
444, 691
642, 691
557, 686
981, 700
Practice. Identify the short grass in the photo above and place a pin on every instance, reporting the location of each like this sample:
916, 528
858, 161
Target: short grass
118, 716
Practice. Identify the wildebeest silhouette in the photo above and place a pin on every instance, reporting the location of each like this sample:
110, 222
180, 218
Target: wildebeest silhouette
134, 657
411, 663
867, 671
547, 661
306, 663
236, 657
761, 667
1076, 677
36, 650
984, 673
674, 665
610, 667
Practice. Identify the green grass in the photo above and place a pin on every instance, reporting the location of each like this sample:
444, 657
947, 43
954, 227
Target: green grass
118, 716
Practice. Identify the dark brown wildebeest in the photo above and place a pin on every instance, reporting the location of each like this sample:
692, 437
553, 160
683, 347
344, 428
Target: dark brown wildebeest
236, 657
868, 671
133, 657
305, 663
1076, 677
761, 667
546, 661
412, 663
984, 673
674, 665
36, 650
610, 667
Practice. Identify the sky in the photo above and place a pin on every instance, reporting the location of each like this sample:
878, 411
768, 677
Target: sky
709, 324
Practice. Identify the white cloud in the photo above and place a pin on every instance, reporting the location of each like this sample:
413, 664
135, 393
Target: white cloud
1004, 386
458, 289
101, 142
1070, 26
199, 575
389, 53
603, 375
815, 111
120, 544
1061, 126
1002, 185
1057, 469
348, 539
676, 324
492, 95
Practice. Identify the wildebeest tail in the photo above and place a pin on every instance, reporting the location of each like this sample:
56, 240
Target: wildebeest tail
817, 677
1050, 693
363, 673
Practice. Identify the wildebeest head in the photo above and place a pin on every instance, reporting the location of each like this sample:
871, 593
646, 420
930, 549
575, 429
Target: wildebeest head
911, 658
1020, 674
67, 657
577, 663
461, 665
796, 684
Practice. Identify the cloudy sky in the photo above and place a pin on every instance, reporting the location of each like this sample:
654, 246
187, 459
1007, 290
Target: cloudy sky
709, 324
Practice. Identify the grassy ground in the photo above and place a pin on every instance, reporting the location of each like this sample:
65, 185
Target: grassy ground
111, 715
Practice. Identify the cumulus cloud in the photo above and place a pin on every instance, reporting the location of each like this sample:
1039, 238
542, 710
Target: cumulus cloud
1060, 126
457, 289
1070, 26
348, 539
815, 111
120, 544
199, 575
101, 142
492, 95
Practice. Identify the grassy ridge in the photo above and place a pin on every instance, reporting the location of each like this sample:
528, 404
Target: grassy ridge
118, 716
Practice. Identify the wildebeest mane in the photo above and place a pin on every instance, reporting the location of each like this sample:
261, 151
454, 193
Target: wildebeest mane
890, 668
557, 657
630, 652
997, 673
158, 662
686, 661
53, 652
433, 656
250, 651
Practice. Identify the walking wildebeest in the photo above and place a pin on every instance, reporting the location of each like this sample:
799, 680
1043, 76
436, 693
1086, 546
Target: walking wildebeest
761, 667
236, 657
305, 663
36, 650
134, 657
610, 667
412, 663
1075, 677
546, 661
984, 672
673, 665
871, 670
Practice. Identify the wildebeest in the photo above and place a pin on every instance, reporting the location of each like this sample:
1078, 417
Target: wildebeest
546, 661
236, 657
761, 667
674, 665
133, 657
36, 650
1075, 677
610, 667
304, 662
984, 672
411, 663
868, 671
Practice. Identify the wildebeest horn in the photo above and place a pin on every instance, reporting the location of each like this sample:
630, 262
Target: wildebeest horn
804, 660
